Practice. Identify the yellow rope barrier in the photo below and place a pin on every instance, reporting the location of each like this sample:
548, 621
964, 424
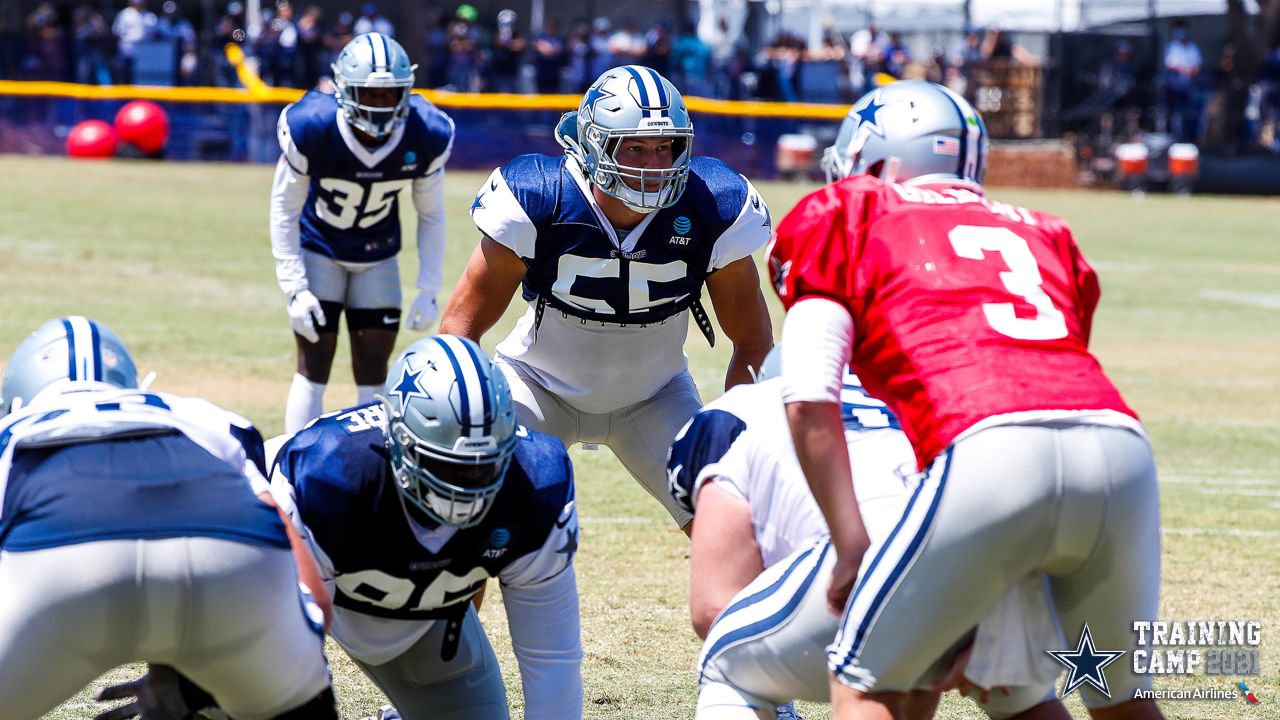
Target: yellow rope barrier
256, 91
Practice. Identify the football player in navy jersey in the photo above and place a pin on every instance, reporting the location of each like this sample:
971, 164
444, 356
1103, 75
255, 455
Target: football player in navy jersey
613, 243
410, 505
130, 532
335, 225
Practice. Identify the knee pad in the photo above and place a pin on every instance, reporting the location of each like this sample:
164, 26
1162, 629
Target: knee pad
373, 319
332, 311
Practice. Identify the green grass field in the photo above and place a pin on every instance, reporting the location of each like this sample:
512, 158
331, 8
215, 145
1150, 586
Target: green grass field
175, 258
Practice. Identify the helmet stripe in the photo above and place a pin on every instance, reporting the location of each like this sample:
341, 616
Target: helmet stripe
378, 49
662, 92
96, 341
468, 383
83, 353
484, 387
644, 83
71, 348
964, 135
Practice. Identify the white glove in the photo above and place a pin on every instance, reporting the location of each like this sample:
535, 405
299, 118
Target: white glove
423, 312
304, 314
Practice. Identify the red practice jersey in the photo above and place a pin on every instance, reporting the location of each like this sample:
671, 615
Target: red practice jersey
963, 308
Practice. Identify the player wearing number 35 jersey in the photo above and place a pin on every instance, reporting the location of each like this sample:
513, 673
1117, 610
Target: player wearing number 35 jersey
335, 222
970, 318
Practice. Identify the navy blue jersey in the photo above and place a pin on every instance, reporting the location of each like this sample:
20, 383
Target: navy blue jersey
346, 496
537, 207
352, 204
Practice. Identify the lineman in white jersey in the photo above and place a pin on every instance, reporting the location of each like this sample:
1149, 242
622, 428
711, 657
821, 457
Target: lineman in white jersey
760, 559
130, 532
613, 243
410, 505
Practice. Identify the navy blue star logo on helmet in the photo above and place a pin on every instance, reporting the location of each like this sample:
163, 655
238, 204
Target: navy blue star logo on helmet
867, 115
1086, 664
409, 386
595, 95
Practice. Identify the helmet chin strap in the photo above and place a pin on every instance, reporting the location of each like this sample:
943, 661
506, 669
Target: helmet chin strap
891, 167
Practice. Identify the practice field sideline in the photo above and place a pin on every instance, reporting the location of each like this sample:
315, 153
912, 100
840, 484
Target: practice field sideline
175, 258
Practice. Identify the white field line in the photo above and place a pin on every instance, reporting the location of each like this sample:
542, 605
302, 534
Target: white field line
1227, 532
1176, 479
1270, 301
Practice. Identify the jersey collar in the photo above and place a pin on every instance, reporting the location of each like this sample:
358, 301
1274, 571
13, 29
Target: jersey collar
369, 156
627, 244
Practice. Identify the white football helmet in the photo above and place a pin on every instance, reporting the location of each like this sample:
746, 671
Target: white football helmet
66, 350
373, 60
914, 130
451, 428
630, 101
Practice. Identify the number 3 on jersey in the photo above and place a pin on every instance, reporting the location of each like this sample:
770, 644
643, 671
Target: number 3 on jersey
1023, 279
348, 198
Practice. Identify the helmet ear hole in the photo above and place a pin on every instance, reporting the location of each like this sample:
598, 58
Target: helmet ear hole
876, 168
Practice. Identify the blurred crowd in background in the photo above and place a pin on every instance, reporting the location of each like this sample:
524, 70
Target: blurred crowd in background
462, 51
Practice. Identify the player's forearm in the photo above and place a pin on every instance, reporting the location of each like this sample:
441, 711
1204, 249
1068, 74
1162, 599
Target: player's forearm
481, 297
818, 433
746, 362
428, 199
288, 197
308, 570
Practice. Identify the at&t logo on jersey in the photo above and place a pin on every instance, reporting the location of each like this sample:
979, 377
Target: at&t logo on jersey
682, 225
410, 162
498, 541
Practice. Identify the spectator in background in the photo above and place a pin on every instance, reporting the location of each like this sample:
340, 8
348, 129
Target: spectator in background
372, 20
311, 48
1269, 79
45, 57
228, 31
171, 26
601, 53
867, 51
507, 54
133, 24
465, 50
658, 48
435, 73
93, 46
998, 46
692, 60
548, 57
897, 56
627, 44
1182, 65
336, 37
1117, 79
577, 52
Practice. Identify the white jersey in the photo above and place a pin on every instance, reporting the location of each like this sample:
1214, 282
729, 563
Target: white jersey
742, 442
614, 303
86, 415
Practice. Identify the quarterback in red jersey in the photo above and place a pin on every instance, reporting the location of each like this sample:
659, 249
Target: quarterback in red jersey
970, 318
